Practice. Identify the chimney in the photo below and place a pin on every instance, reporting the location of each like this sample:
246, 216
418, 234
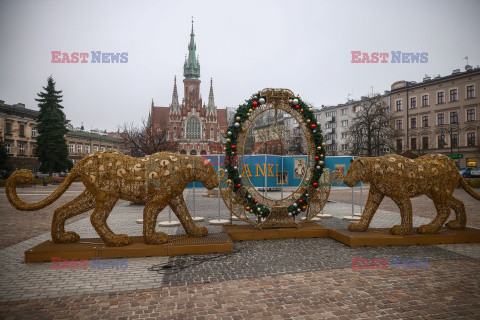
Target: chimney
21, 105
456, 71
2, 103
427, 78
468, 67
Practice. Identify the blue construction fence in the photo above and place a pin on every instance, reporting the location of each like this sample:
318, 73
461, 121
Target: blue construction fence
286, 171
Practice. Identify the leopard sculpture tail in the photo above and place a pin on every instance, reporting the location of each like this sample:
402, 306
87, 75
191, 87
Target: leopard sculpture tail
25, 176
469, 189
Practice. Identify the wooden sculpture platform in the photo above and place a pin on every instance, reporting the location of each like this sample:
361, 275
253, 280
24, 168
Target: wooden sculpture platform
250, 232
95, 248
382, 237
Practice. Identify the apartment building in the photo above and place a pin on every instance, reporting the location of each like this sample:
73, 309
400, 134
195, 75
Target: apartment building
440, 115
18, 130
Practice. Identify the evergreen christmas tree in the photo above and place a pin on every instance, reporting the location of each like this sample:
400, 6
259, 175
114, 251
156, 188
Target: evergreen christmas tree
52, 150
5, 164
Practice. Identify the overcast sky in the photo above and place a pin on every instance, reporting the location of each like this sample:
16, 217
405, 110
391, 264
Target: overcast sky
244, 46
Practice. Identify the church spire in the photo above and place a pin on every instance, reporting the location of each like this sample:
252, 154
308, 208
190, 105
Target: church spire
211, 102
191, 68
175, 106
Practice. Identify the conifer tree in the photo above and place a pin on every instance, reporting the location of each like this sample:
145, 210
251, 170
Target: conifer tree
52, 149
5, 164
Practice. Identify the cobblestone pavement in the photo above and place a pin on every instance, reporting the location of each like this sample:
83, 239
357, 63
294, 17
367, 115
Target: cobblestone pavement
275, 279
443, 291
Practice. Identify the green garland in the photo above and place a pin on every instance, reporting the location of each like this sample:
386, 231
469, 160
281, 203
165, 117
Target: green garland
242, 114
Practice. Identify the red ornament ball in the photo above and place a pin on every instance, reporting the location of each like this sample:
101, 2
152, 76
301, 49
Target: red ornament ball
255, 201
316, 158
239, 185
234, 147
300, 201
255, 103
312, 126
297, 107
315, 185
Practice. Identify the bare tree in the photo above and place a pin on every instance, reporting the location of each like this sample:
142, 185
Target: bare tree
144, 139
371, 130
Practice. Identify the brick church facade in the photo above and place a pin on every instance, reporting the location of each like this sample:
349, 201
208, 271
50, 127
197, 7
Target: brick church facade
196, 127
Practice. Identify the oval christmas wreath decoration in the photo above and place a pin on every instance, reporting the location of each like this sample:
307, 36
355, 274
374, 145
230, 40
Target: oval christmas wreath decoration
252, 204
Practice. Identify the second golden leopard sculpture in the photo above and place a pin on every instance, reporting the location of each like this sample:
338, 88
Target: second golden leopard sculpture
400, 178
157, 180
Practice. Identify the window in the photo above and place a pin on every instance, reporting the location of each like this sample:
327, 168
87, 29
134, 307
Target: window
453, 95
87, 148
425, 143
344, 135
102, 148
413, 103
399, 105
95, 148
71, 148
21, 149
413, 123
79, 148
344, 111
330, 125
413, 143
425, 121
471, 115
109, 148
441, 118
399, 145
471, 139
440, 97
454, 117
441, 141
8, 128
34, 132
344, 147
331, 114
399, 124
425, 100
193, 128
344, 123
8, 146
470, 92
21, 131
454, 141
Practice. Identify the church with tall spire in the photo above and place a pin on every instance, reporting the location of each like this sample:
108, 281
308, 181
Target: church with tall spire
198, 128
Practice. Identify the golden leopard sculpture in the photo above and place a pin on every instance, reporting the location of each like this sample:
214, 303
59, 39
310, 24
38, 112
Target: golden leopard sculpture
157, 180
400, 178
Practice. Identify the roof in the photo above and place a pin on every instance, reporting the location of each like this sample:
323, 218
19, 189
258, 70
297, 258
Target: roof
413, 84
96, 136
19, 110
222, 117
159, 115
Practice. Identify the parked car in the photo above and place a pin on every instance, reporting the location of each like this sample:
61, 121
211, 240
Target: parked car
471, 172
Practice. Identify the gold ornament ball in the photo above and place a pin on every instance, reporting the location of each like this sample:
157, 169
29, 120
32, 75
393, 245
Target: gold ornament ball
248, 114
238, 118
308, 120
323, 144
319, 148
228, 140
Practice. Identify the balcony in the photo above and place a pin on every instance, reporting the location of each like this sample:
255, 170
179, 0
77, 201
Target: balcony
330, 130
330, 142
330, 119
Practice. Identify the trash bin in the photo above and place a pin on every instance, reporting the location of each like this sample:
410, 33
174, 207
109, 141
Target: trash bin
45, 183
